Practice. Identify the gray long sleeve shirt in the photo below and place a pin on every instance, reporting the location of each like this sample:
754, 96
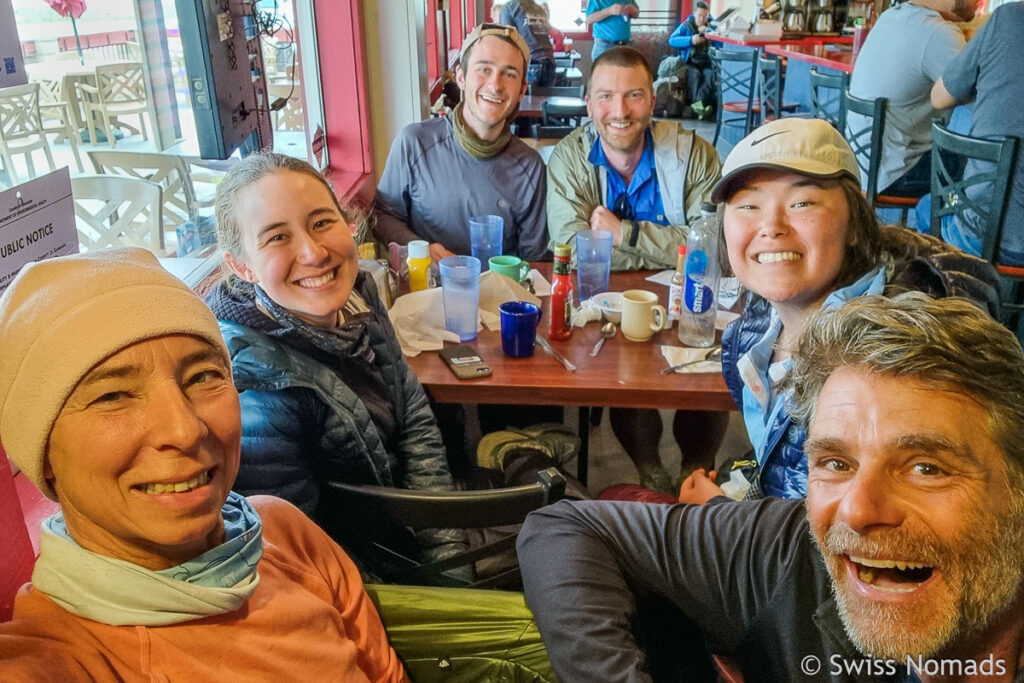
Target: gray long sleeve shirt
431, 187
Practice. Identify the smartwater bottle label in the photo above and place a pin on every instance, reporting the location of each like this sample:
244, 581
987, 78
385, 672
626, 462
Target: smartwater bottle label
696, 297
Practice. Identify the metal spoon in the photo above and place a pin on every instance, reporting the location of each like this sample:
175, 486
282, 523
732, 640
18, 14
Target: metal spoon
712, 354
607, 332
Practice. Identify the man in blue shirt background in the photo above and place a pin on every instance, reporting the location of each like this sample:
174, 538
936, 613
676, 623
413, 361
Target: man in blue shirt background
610, 23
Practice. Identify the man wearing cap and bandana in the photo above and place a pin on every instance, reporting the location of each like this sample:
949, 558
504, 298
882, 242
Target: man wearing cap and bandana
116, 401
442, 171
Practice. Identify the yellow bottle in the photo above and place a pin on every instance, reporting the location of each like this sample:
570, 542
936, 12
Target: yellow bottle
419, 264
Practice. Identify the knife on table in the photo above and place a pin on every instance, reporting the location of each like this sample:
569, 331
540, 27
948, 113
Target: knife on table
555, 354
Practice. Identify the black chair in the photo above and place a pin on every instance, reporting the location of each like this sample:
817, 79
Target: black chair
866, 142
558, 118
770, 88
555, 90
979, 200
735, 80
876, 126
377, 513
827, 97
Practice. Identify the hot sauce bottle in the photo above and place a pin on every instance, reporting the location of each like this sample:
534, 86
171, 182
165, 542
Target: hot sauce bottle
560, 323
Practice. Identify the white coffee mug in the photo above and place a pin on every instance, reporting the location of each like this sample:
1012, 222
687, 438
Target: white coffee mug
642, 316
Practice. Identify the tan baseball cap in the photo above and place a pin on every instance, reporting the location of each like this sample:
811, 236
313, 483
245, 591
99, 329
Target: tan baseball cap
810, 147
501, 30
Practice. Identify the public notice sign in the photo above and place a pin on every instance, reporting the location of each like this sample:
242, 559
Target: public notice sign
37, 221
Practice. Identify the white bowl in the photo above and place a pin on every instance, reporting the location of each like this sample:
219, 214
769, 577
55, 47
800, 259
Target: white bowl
610, 305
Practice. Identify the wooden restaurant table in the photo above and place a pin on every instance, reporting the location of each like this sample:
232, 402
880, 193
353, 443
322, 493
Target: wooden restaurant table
624, 374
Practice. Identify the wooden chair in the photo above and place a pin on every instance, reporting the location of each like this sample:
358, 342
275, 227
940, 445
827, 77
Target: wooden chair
120, 90
377, 512
735, 82
170, 172
770, 87
827, 97
980, 201
555, 90
869, 156
558, 119
117, 211
21, 129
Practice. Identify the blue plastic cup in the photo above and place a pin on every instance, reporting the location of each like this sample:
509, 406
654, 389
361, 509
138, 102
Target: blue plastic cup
486, 237
460, 290
519, 321
593, 262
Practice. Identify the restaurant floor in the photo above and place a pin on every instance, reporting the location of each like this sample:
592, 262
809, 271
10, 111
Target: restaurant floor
610, 465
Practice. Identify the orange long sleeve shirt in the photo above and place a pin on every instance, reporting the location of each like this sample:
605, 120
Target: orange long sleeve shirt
308, 620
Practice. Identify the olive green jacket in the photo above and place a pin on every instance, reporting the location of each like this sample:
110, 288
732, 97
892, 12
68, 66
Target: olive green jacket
687, 169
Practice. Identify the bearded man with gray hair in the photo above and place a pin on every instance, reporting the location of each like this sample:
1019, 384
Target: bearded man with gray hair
906, 562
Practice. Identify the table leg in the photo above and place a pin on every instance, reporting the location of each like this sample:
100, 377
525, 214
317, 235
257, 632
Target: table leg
584, 432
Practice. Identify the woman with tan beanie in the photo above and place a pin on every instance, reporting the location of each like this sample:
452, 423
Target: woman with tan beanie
116, 400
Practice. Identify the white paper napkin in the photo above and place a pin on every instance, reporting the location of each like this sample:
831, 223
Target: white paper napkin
674, 355
418, 317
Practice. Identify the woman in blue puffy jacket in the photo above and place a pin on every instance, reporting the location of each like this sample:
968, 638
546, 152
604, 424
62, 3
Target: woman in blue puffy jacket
800, 235
325, 391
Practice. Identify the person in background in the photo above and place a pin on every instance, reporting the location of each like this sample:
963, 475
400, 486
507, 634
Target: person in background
907, 553
116, 401
609, 22
326, 393
800, 236
979, 75
442, 171
689, 38
496, 12
904, 54
557, 37
643, 181
531, 21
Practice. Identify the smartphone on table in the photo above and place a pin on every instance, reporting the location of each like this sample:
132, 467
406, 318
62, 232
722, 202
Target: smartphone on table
465, 362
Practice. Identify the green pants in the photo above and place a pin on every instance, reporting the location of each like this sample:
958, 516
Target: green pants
459, 635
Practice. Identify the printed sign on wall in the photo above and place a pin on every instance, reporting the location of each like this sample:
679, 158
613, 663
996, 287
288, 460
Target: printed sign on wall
37, 221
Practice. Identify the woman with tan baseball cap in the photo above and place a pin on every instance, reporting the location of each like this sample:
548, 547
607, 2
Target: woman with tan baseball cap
800, 235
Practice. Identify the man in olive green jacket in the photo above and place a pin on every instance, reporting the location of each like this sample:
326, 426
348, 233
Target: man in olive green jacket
643, 181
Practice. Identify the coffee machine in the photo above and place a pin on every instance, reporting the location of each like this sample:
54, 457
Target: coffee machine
820, 17
794, 17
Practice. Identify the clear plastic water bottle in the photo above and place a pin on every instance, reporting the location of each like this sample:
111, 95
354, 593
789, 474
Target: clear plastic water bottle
700, 286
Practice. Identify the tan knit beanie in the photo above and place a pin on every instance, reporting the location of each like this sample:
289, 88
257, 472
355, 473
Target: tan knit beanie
60, 317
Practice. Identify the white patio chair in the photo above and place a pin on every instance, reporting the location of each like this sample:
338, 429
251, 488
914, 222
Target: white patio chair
118, 211
120, 90
21, 129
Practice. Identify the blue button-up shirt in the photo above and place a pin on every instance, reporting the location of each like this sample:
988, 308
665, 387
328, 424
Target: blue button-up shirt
610, 28
642, 195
